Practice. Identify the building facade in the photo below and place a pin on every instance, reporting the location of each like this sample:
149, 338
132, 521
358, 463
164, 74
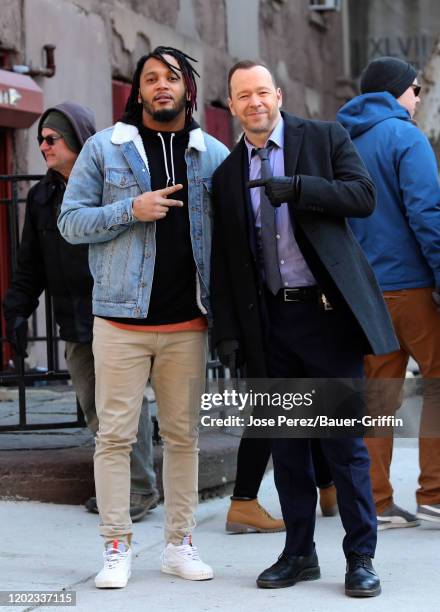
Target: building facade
97, 43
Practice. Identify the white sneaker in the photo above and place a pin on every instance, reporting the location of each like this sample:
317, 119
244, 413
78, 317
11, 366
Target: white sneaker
184, 561
117, 566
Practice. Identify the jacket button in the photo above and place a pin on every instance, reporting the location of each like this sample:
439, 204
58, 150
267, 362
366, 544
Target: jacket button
250, 306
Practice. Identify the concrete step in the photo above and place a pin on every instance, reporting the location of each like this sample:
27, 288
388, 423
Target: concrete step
56, 465
65, 475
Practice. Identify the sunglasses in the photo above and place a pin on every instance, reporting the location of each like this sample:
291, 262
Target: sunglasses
51, 140
416, 89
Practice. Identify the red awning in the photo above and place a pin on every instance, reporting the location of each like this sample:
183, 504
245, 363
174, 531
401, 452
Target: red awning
21, 100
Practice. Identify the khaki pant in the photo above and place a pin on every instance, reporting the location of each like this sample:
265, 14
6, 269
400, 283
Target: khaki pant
417, 326
81, 366
123, 362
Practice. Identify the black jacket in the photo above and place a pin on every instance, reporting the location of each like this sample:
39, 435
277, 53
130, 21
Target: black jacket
334, 185
47, 261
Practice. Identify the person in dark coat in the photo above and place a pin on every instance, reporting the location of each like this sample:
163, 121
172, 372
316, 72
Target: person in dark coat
298, 299
47, 261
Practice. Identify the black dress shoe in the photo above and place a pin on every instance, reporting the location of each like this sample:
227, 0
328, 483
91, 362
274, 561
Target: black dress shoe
288, 570
360, 579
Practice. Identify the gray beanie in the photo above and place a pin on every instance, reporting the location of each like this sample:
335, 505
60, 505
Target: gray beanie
387, 74
59, 122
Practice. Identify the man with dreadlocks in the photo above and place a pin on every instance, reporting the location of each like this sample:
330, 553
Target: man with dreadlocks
149, 255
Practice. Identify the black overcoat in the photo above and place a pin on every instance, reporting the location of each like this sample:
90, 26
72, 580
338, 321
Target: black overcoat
334, 185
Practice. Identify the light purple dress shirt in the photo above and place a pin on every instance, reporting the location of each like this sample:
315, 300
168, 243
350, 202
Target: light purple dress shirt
293, 268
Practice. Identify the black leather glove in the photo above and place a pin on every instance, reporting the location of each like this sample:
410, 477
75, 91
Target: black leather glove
16, 333
228, 352
436, 297
279, 189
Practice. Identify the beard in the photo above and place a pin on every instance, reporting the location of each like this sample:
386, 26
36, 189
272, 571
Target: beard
167, 114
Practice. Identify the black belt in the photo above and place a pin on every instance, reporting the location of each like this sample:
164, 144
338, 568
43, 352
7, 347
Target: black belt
304, 294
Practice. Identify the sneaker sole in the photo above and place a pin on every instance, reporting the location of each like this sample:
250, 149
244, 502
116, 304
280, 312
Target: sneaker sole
112, 584
312, 573
242, 528
168, 570
383, 526
428, 517
363, 592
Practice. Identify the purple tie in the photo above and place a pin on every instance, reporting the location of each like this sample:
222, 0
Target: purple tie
268, 229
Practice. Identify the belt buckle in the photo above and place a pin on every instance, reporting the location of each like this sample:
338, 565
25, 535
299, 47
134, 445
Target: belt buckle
325, 303
289, 291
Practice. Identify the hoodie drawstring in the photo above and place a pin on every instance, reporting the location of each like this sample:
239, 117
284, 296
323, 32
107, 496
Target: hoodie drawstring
169, 178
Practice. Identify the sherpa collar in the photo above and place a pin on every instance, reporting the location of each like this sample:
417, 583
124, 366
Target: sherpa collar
125, 132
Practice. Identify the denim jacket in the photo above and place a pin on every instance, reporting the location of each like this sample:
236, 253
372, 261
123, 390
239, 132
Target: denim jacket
111, 170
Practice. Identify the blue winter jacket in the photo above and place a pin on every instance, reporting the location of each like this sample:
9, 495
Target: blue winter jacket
401, 239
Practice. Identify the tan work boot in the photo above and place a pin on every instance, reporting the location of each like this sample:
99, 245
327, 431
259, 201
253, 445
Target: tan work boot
247, 516
328, 501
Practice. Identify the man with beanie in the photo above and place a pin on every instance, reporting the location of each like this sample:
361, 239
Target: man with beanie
401, 240
140, 195
47, 261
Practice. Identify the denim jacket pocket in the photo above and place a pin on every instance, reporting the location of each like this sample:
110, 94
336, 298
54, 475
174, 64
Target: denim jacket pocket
119, 184
120, 177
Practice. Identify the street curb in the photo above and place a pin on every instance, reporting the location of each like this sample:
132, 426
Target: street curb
65, 475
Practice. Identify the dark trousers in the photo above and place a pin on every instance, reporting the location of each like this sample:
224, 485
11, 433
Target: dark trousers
253, 457
305, 341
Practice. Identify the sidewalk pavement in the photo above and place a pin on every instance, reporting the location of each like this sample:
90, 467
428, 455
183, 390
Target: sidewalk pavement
54, 547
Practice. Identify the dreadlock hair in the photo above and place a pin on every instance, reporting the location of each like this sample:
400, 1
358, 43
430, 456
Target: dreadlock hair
133, 108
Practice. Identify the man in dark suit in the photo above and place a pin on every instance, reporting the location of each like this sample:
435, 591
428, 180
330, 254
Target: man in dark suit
294, 297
